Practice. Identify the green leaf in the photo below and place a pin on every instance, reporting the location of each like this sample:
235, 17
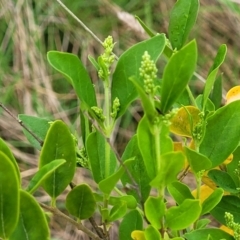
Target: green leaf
230, 204
151, 233
213, 72
179, 191
39, 126
80, 202
216, 95
9, 196
209, 106
131, 221
72, 68
234, 165
128, 65
42, 174
155, 209
222, 133
107, 184
223, 180
117, 212
137, 169
128, 199
32, 223
6, 150
171, 164
146, 141
59, 144
203, 234
176, 75
182, 18
145, 27
197, 161
202, 223
101, 157
212, 201
183, 216
148, 106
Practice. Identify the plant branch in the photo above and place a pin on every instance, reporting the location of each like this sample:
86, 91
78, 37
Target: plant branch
80, 22
22, 124
78, 225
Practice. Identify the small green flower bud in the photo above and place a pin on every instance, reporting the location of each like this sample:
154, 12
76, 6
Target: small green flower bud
99, 113
115, 108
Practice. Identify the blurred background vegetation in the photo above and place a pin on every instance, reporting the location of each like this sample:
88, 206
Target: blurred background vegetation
30, 28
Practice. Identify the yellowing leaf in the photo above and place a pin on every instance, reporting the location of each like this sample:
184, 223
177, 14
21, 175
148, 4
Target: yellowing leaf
137, 235
205, 192
226, 229
228, 160
233, 94
185, 120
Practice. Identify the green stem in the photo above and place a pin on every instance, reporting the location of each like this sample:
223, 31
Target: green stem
191, 96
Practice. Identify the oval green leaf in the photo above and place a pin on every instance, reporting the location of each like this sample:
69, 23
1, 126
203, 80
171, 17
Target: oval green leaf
102, 159
41, 175
80, 202
183, 216
202, 234
197, 161
32, 223
179, 191
131, 221
151, 233
171, 164
38, 126
223, 179
182, 18
137, 170
59, 144
213, 73
155, 209
117, 211
107, 184
6, 150
230, 204
222, 133
177, 74
72, 68
212, 201
9, 196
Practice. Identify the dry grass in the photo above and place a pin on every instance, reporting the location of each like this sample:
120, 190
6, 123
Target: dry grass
28, 85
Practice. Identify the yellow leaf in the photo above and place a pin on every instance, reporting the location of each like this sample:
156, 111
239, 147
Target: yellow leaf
233, 94
205, 192
181, 122
226, 229
228, 160
138, 235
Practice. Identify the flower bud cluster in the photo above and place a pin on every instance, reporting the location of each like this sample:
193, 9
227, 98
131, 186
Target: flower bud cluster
148, 72
115, 108
99, 113
106, 59
231, 224
82, 158
167, 117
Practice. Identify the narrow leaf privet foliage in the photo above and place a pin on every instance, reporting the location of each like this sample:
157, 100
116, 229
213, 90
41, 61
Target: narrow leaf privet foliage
58, 144
32, 222
9, 196
145, 189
